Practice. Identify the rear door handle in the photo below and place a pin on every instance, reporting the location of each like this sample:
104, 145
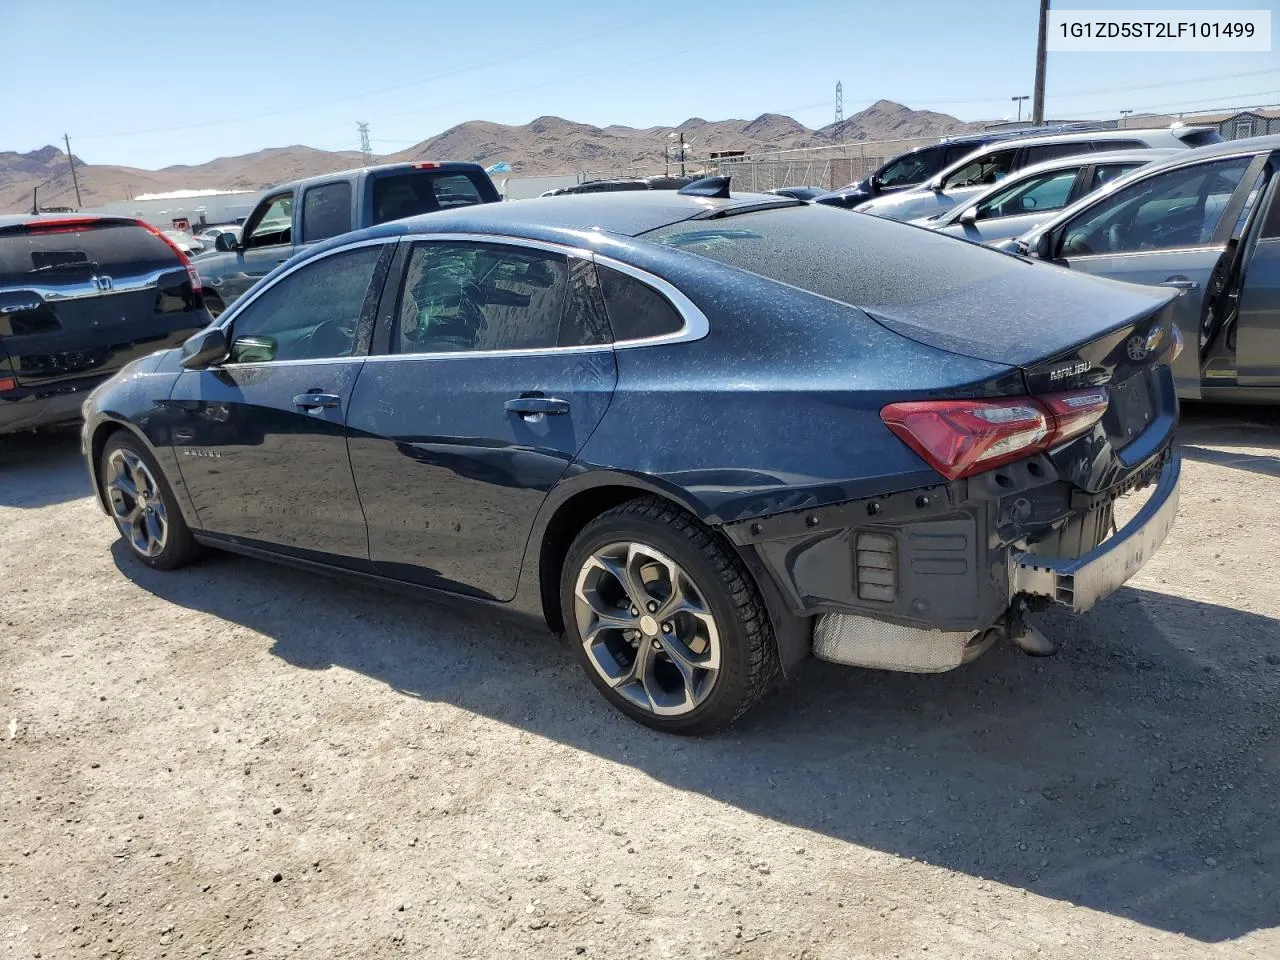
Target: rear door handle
313, 401
1182, 284
537, 406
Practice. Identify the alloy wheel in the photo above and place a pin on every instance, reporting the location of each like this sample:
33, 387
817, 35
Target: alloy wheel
136, 504
646, 628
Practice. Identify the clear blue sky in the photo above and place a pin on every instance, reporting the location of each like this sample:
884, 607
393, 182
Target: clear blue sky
149, 83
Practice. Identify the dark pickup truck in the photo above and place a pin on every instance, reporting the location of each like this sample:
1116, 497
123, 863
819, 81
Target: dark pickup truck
295, 215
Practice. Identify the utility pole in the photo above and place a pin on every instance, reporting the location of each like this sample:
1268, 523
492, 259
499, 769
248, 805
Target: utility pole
1124, 114
839, 101
1037, 102
72, 160
365, 148
1019, 100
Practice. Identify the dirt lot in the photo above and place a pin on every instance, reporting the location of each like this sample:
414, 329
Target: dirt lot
242, 760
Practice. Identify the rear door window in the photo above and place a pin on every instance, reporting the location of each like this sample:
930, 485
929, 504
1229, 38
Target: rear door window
326, 211
985, 170
426, 191
461, 297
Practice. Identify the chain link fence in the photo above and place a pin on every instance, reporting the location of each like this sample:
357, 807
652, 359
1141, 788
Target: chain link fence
826, 167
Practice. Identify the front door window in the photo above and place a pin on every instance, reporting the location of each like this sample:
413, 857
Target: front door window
313, 313
274, 227
1048, 191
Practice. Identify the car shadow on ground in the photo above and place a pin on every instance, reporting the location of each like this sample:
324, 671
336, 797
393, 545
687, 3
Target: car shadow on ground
1133, 773
42, 468
1217, 434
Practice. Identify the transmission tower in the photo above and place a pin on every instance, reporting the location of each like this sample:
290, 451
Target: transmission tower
365, 149
839, 101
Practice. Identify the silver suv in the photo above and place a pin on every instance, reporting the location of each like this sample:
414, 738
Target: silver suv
975, 173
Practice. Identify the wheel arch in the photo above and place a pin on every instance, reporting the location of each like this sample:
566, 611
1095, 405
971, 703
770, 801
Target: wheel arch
102, 433
587, 499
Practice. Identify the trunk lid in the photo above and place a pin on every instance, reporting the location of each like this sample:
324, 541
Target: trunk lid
1065, 335
82, 296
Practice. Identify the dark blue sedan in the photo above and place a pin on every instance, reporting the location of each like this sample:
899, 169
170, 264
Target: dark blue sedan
702, 436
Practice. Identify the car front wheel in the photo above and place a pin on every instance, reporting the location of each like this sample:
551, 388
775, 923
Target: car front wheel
143, 506
666, 619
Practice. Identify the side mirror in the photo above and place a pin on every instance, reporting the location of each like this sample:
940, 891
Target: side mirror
969, 217
226, 243
205, 348
1044, 246
936, 184
873, 181
253, 349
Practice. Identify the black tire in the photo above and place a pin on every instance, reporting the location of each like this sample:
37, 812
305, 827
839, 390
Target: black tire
180, 547
748, 651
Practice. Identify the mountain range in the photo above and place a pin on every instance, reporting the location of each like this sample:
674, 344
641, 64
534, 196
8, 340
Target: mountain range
547, 145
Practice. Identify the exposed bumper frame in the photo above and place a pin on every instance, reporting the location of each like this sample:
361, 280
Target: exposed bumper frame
1080, 582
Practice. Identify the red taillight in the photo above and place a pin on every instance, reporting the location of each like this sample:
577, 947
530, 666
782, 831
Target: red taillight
192, 272
7, 383
963, 437
426, 165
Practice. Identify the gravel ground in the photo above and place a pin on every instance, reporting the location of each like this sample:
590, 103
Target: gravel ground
243, 760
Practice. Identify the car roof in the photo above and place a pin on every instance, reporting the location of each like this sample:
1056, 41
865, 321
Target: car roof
626, 213
1146, 155
457, 166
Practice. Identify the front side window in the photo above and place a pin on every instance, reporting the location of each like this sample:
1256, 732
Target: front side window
461, 297
1175, 209
310, 314
1048, 191
984, 171
275, 226
326, 211
912, 168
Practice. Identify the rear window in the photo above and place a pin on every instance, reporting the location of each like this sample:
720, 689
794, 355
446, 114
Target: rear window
62, 256
855, 259
409, 194
1102, 146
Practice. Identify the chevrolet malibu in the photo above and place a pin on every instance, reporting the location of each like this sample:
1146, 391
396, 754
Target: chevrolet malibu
702, 435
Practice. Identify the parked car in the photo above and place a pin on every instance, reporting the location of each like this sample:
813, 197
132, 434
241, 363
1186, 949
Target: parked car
209, 235
970, 176
798, 193
694, 432
914, 167
184, 241
1206, 223
81, 297
1025, 199
296, 215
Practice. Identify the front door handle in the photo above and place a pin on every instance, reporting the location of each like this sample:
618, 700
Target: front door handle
313, 401
1181, 284
536, 407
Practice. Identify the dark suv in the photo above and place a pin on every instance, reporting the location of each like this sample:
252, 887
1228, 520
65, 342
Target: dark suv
80, 297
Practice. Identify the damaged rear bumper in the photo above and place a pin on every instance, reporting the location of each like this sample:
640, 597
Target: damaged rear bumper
1081, 582
924, 580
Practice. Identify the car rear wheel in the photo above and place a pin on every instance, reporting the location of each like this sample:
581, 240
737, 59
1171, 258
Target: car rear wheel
143, 506
665, 619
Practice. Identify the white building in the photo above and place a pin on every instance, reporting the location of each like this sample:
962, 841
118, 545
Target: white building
184, 209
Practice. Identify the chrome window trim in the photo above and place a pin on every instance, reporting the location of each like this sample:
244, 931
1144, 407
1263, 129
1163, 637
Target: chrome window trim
87, 289
1159, 251
695, 324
